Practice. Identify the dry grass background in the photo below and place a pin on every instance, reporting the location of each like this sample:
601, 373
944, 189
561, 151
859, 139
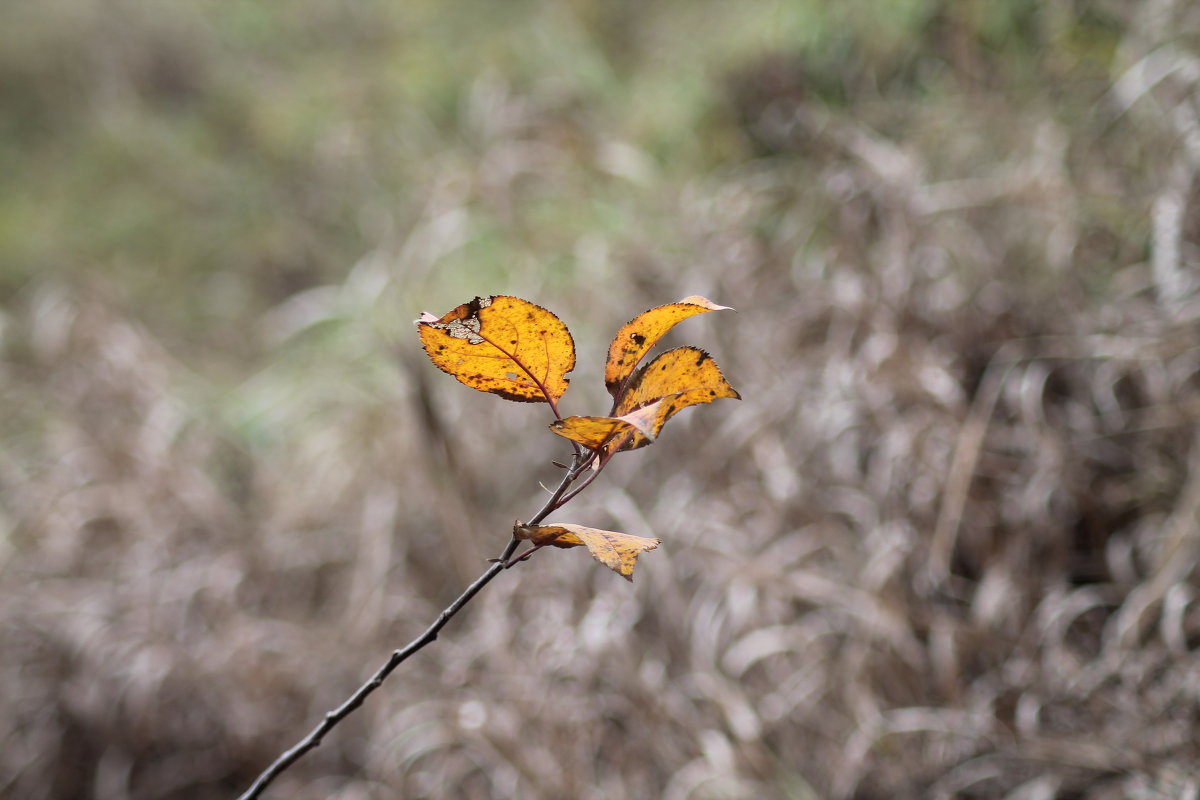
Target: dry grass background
945, 547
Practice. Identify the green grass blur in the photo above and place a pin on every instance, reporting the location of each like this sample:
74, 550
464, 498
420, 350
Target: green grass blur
206, 160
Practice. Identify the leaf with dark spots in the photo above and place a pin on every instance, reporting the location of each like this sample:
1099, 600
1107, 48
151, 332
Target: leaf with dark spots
504, 346
639, 335
685, 376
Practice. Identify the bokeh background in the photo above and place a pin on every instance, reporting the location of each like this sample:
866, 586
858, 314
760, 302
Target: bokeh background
945, 546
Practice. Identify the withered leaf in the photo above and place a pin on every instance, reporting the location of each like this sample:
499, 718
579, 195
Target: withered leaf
594, 432
502, 345
676, 379
615, 550
641, 333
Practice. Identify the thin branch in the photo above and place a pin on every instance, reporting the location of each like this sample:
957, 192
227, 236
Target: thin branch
578, 465
599, 468
398, 657
523, 556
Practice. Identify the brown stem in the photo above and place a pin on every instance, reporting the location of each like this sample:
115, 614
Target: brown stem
332, 718
523, 557
603, 463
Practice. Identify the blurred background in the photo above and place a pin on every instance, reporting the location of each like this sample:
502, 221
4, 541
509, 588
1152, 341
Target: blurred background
945, 546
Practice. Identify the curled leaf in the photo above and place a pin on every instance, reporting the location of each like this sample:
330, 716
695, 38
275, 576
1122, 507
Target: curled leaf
641, 333
615, 550
502, 345
676, 379
595, 432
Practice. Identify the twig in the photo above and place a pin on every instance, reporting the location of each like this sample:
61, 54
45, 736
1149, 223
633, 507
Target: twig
523, 557
599, 467
332, 718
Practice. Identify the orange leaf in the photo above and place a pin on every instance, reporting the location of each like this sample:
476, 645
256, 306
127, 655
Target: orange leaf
617, 551
594, 432
641, 333
502, 345
676, 379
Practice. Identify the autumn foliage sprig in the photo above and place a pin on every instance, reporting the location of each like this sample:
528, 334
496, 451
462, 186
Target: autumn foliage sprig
520, 351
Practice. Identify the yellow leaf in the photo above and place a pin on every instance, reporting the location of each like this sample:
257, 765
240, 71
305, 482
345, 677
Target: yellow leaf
617, 551
594, 432
641, 333
502, 345
676, 379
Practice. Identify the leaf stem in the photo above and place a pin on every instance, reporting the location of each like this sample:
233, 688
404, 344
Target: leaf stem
523, 556
332, 718
587, 481
540, 384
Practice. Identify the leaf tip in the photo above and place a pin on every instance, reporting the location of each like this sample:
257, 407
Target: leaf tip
704, 302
